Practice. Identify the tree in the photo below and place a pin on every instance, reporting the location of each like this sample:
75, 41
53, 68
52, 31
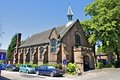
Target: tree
103, 26
11, 47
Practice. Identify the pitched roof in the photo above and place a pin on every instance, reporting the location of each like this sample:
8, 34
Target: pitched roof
43, 37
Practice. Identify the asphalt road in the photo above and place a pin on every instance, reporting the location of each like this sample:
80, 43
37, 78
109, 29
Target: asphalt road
102, 74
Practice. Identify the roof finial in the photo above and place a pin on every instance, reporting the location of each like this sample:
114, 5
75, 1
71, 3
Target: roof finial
69, 13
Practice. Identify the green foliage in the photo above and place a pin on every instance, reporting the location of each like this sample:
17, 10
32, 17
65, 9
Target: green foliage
117, 64
109, 65
34, 65
103, 26
1, 61
17, 65
11, 47
71, 68
99, 65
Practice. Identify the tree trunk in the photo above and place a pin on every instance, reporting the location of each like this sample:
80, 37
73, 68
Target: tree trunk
93, 47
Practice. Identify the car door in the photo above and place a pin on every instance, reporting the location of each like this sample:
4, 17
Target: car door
47, 72
41, 69
23, 68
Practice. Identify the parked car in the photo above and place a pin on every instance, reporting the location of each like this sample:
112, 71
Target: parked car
11, 67
26, 68
48, 70
4, 66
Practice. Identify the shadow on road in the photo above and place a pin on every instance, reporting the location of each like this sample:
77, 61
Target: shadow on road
3, 78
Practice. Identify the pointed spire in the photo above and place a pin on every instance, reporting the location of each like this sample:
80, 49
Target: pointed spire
69, 13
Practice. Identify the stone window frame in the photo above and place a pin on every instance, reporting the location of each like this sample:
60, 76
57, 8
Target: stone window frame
25, 50
53, 45
31, 52
32, 49
41, 50
77, 38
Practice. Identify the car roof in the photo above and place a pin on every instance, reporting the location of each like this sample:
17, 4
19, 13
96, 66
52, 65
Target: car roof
47, 66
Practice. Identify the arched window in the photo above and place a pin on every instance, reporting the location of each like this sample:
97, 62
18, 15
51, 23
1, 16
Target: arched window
41, 50
53, 45
32, 50
77, 39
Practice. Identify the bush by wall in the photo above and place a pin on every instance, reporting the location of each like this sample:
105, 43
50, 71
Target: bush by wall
18, 65
100, 65
109, 65
71, 68
117, 64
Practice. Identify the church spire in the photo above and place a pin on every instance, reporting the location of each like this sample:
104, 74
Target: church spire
69, 13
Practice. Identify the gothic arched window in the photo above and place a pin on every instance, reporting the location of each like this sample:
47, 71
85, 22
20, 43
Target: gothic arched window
41, 50
77, 39
32, 50
53, 45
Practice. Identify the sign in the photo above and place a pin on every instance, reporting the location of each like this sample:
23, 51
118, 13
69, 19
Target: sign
2, 56
64, 61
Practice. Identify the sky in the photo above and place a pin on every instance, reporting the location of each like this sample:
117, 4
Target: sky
33, 16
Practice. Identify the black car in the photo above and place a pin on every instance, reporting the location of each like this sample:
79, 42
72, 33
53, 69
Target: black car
11, 67
48, 70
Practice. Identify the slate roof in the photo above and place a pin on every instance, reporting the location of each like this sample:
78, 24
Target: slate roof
43, 37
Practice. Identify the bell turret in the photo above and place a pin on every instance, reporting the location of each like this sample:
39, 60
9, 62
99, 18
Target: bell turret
70, 13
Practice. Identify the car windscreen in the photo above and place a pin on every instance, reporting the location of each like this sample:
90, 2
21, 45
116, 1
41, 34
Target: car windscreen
51, 67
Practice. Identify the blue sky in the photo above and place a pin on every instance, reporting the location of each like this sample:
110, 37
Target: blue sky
32, 16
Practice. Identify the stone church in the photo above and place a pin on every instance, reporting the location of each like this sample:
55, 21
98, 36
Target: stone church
67, 42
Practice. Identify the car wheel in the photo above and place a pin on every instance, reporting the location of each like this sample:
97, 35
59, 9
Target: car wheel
37, 72
27, 71
51, 74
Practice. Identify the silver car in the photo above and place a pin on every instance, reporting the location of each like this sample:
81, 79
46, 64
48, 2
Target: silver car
26, 68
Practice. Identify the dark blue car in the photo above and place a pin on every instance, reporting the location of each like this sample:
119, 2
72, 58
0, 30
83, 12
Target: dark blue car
11, 67
4, 66
48, 70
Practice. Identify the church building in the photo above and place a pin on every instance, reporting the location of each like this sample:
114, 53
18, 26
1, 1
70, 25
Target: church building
63, 43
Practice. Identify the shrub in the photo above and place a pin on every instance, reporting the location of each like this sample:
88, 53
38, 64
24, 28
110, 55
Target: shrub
109, 65
99, 65
18, 65
1, 61
117, 64
33, 65
71, 68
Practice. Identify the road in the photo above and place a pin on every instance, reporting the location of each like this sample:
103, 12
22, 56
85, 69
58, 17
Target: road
102, 74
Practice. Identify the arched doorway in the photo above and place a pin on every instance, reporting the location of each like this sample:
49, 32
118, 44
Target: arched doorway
86, 60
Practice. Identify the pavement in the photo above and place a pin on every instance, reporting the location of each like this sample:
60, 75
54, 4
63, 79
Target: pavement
98, 74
